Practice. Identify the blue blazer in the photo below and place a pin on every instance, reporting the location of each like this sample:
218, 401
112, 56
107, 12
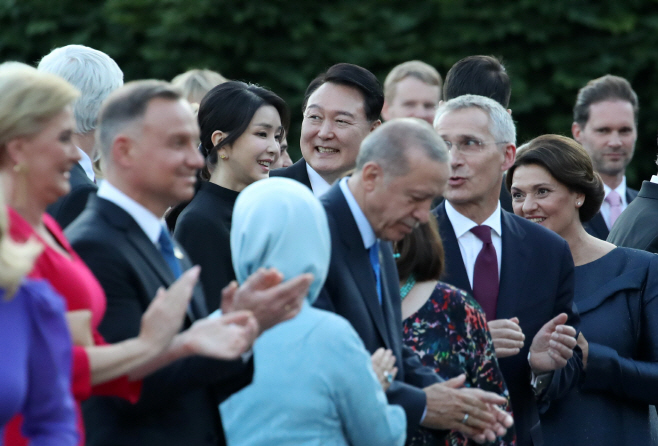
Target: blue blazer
536, 284
597, 227
351, 292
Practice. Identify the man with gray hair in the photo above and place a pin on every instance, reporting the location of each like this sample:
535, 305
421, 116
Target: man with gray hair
96, 75
519, 272
400, 168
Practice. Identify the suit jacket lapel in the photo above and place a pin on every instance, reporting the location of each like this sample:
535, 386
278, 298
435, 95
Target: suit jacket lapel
514, 258
357, 259
455, 271
150, 255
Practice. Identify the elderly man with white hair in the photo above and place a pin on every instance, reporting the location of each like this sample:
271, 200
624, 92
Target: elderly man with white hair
96, 75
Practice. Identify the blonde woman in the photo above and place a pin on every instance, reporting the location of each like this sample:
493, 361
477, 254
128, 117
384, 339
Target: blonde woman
35, 349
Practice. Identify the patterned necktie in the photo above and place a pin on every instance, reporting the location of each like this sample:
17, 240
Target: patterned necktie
373, 253
485, 273
614, 200
167, 250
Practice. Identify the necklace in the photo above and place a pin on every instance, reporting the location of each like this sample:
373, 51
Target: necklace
408, 285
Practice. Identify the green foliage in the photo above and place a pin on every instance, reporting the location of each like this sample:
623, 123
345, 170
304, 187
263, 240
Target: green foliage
550, 49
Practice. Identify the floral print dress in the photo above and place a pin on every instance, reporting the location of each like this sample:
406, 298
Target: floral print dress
449, 333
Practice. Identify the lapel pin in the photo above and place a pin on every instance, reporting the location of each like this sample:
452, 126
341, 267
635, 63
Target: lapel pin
178, 253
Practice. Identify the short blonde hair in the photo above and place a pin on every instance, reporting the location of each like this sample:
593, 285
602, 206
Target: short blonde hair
414, 68
196, 83
28, 99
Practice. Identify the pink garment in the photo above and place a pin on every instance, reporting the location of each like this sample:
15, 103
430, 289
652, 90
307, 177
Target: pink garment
614, 200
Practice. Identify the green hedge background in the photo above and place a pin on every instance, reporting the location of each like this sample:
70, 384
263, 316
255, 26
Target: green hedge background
550, 49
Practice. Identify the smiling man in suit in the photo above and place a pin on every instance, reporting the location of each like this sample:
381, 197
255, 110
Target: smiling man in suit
519, 272
148, 135
605, 123
341, 107
401, 167
96, 75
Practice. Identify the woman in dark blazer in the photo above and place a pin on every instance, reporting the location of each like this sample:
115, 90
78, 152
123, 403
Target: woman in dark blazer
552, 183
241, 130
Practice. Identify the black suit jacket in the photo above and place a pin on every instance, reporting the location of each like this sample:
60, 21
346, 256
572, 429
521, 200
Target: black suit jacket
597, 227
179, 403
637, 226
536, 284
350, 291
297, 172
68, 207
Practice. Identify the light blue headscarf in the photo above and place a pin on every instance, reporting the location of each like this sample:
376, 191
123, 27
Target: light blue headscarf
279, 223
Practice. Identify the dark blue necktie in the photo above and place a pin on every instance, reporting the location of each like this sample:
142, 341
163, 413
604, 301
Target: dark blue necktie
167, 250
373, 253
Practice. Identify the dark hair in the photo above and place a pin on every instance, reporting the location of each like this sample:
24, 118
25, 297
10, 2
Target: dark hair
356, 77
480, 75
230, 107
604, 88
421, 253
128, 104
568, 163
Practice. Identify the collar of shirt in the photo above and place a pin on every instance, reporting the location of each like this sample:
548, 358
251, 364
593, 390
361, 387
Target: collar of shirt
469, 245
146, 219
462, 224
654, 179
318, 184
86, 164
367, 233
621, 190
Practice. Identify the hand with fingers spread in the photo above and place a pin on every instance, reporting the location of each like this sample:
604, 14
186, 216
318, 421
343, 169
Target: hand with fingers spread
552, 346
225, 337
383, 362
507, 336
473, 412
164, 317
267, 297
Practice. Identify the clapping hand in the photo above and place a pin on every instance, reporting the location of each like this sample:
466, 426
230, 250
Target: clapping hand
507, 336
383, 362
225, 337
552, 346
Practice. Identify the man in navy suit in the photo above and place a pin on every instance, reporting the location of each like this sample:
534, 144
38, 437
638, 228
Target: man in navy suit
148, 136
521, 273
400, 169
605, 123
96, 75
341, 107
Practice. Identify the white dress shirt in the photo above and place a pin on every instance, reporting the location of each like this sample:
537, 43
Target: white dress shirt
147, 220
318, 184
86, 164
654, 179
605, 206
469, 245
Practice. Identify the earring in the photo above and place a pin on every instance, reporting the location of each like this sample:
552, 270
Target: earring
18, 168
578, 203
224, 157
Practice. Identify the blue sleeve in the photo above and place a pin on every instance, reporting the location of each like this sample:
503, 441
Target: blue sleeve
631, 378
49, 409
360, 400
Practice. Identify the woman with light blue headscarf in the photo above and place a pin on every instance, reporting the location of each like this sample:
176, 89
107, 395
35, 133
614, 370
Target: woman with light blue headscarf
313, 381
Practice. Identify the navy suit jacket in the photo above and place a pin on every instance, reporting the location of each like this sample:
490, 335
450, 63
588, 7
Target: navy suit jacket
597, 227
637, 226
296, 172
536, 284
179, 403
68, 207
350, 291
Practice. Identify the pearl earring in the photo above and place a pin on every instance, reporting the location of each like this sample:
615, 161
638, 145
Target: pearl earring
578, 203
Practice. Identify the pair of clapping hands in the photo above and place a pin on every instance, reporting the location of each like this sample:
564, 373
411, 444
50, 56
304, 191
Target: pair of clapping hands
261, 302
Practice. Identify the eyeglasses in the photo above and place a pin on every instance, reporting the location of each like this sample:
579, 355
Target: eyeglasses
469, 146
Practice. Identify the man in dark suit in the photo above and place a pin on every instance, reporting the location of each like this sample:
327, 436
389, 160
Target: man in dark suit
96, 75
340, 107
521, 273
605, 123
148, 136
400, 169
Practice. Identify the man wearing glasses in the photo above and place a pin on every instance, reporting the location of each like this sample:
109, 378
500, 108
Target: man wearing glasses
519, 272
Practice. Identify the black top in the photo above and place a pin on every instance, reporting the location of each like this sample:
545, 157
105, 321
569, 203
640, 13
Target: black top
204, 230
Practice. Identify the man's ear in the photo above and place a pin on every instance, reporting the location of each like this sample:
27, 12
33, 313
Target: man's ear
576, 131
123, 151
510, 156
385, 111
375, 124
509, 110
371, 174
